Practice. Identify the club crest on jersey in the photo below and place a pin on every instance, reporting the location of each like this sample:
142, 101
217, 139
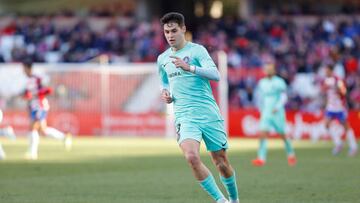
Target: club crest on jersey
186, 59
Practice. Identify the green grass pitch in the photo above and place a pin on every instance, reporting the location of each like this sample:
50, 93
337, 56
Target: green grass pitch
144, 170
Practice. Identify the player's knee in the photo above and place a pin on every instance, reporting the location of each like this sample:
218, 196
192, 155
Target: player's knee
42, 131
327, 124
222, 166
263, 135
193, 158
221, 163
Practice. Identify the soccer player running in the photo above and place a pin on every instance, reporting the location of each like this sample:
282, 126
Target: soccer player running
272, 93
7, 132
185, 70
335, 109
38, 106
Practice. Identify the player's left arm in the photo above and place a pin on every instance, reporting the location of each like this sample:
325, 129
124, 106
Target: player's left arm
281, 102
342, 87
207, 68
283, 97
45, 91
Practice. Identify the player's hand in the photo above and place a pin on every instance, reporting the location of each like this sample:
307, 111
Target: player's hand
166, 97
27, 95
45, 91
179, 63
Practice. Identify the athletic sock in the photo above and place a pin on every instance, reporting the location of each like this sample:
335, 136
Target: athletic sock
54, 133
262, 149
351, 139
288, 147
336, 139
2, 153
230, 186
34, 143
210, 186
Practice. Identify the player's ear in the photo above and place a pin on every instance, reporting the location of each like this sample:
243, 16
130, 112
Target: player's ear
183, 28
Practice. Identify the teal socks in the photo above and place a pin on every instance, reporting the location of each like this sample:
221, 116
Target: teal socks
262, 149
231, 187
288, 147
209, 185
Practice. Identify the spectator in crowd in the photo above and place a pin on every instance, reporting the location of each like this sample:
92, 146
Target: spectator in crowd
296, 46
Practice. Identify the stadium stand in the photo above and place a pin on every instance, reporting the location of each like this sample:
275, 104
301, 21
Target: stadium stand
298, 44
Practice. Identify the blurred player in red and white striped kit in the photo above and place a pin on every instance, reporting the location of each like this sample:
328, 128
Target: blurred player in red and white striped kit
38, 105
336, 109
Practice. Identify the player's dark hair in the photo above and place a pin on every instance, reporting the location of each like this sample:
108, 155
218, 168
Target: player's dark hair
330, 66
27, 63
173, 17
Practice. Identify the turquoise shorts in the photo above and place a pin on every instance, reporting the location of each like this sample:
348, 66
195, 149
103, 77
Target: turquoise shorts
213, 134
275, 121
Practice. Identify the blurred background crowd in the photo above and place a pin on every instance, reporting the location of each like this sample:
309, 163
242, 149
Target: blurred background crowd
298, 42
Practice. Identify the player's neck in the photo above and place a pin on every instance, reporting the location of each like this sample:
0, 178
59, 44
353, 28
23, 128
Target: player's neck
270, 76
180, 46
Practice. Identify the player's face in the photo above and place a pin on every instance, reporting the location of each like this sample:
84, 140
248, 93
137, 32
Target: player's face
27, 71
328, 72
174, 34
269, 69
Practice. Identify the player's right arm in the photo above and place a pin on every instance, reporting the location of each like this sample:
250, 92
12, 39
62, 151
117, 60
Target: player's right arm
166, 96
207, 68
27, 94
164, 82
259, 96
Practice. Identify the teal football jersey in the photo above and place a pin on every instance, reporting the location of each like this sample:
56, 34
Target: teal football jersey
192, 95
270, 92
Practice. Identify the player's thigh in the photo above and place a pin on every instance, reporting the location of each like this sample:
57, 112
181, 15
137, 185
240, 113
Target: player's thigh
327, 121
43, 126
279, 122
342, 117
35, 124
38, 114
190, 148
265, 123
38, 119
219, 156
328, 117
214, 136
187, 130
